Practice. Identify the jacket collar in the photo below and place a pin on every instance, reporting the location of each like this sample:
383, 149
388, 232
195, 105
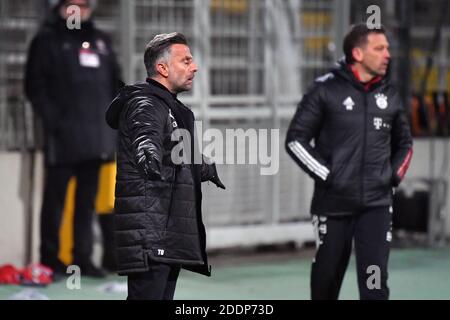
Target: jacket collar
345, 71
161, 90
182, 114
367, 85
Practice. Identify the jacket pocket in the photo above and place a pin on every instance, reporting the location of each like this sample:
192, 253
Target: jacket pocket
344, 179
379, 177
157, 210
157, 194
330, 177
168, 173
387, 174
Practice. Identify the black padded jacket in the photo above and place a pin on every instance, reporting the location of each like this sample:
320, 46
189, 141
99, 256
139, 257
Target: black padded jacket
362, 142
69, 98
158, 204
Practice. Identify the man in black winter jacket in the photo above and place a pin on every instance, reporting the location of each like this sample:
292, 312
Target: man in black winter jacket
362, 149
71, 77
158, 216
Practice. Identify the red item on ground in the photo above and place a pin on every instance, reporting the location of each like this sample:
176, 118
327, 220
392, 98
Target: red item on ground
37, 275
9, 275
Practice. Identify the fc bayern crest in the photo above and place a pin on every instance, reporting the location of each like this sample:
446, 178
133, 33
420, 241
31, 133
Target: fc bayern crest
381, 100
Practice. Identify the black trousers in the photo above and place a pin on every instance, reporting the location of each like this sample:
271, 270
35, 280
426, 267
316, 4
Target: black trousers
158, 283
56, 182
371, 232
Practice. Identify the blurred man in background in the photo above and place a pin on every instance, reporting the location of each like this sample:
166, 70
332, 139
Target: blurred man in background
71, 76
158, 202
362, 150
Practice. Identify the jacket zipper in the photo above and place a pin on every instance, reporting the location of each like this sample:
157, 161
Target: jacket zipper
363, 158
174, 175
171, 197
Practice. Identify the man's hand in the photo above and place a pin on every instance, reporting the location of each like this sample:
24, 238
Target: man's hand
217, 182
215, 177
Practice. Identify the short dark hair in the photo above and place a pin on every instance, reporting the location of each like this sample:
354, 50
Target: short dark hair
158, 47
357, 37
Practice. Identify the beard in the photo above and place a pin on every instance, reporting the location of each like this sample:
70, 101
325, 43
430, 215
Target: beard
380, 71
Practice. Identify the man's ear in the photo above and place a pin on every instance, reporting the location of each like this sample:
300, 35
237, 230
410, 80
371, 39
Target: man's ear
358, 54
163, 69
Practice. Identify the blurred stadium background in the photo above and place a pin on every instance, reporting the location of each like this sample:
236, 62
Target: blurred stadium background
256, 58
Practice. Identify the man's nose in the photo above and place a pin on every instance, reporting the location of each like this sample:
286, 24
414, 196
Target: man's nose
387, 54
194, 67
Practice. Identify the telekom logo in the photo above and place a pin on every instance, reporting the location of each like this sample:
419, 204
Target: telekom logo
377, 122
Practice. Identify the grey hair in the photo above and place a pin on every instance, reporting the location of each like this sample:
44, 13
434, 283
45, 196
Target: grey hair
158, 49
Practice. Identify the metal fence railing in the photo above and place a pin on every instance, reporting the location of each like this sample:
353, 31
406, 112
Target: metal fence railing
255, 59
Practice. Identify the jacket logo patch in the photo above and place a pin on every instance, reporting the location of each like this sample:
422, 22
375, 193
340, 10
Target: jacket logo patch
381, 101
348, 103
160, 252
378, 123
